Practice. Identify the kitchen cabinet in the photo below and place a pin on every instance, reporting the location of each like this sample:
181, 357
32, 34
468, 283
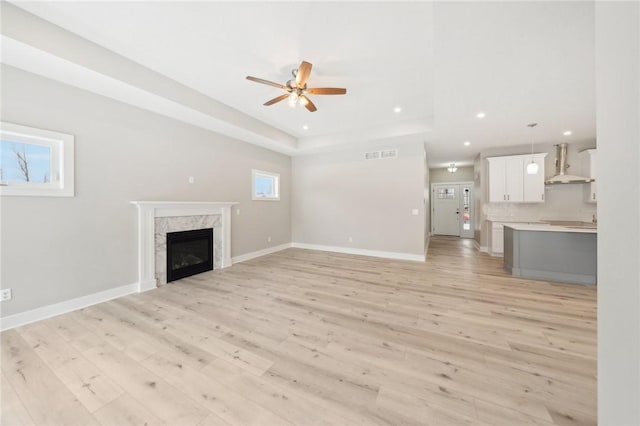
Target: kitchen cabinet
496, 236
589, 169
555, 253
510, 183
534, 184
514, 179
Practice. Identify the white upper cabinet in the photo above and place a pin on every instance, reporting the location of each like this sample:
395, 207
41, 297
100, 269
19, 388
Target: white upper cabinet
497, 179
590, 189
534, 184
514, 179
510, 183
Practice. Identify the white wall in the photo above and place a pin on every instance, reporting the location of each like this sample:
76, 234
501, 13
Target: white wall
618, 116
463, 174
55, 249
562, 202
338, 195
478, 199
427, 199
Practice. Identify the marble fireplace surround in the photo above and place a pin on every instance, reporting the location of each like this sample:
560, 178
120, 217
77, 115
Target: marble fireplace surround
169, 216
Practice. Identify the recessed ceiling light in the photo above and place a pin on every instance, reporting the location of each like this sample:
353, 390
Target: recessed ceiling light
567, 133
397, 110
467, 143
480, 115
305, 127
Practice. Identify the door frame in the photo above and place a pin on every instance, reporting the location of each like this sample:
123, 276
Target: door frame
433, 200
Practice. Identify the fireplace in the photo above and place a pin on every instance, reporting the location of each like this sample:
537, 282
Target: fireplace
189, 253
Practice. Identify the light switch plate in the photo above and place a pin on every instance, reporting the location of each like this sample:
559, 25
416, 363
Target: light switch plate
414, 212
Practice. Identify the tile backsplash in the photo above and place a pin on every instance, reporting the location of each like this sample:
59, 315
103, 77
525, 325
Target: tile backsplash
564, 202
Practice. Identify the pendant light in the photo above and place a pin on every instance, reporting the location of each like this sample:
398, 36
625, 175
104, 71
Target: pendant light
452, 168
532, 167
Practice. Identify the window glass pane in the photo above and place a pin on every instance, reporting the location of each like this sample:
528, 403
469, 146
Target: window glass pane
448, 193
466, 208
22, 162
264, 186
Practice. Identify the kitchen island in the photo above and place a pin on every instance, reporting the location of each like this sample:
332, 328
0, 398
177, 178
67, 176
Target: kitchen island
551, 252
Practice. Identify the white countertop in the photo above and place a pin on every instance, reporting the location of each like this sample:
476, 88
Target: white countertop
550, 228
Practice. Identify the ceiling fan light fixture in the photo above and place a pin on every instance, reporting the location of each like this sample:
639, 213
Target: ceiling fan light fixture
293, 99
297, 90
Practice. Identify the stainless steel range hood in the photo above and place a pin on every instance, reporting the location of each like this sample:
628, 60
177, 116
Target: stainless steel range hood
561, 175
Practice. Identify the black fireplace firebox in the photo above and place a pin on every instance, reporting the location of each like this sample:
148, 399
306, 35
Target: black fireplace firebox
189, 253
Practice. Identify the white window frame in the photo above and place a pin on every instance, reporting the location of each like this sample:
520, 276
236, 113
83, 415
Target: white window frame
276, 185
62, 162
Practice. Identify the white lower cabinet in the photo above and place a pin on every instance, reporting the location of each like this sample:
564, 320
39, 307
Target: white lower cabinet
497, 239
496, 236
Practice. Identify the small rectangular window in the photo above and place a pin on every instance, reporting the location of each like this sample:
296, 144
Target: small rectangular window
35, 162
265, 185
447, 193
23, 163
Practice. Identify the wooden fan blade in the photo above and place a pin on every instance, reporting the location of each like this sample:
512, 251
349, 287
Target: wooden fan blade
308, 104
267, 82
327, 91
303, 73
278, 99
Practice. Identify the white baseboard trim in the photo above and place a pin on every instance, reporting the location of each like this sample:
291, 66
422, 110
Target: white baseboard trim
480, 248
259, 253
27, 317
147, 285
362, 252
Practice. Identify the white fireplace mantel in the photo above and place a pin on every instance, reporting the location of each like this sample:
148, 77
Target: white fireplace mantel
148, 211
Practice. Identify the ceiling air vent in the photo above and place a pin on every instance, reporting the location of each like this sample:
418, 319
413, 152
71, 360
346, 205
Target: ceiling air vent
378, 155
373, 155
389, 153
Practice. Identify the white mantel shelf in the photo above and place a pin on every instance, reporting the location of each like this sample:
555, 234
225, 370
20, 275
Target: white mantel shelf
148, 211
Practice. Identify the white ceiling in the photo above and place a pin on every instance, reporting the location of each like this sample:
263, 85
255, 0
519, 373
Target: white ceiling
441, 62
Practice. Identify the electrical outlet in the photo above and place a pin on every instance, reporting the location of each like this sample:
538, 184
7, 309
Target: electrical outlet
237, 212
191, 179
269, 239
350, 239
5, 294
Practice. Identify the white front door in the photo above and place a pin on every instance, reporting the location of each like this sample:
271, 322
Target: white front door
446, 210
452, 209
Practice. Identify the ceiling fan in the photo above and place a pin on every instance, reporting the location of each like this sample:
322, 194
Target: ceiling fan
297, 89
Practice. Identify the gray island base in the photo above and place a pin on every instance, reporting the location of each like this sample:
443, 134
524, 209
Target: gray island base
551, 253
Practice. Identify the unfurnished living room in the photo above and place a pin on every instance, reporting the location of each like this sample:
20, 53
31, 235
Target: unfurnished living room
320, 213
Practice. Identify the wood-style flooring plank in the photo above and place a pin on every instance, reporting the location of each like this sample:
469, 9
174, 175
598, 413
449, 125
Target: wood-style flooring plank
314, 338
46, 398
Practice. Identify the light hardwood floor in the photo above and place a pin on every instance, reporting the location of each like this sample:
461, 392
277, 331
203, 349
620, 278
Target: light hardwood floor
313, 338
